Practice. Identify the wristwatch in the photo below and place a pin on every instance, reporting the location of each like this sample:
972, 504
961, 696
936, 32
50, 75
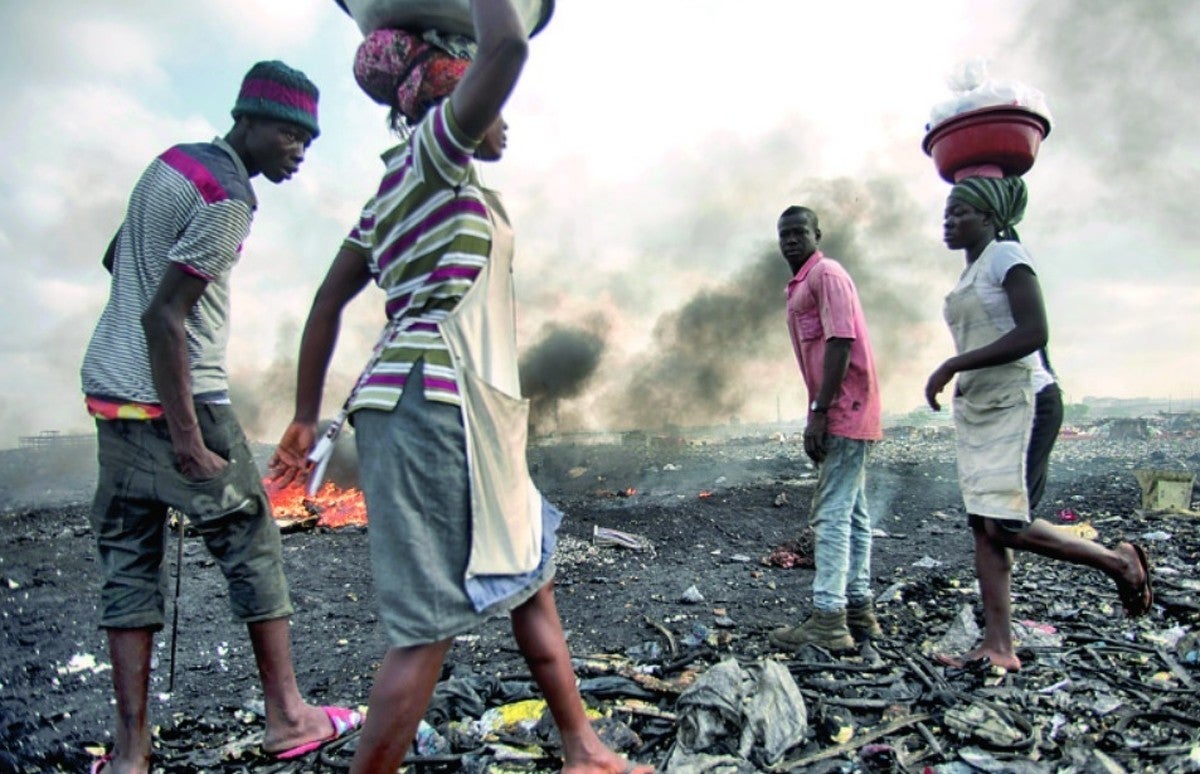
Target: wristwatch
817, 408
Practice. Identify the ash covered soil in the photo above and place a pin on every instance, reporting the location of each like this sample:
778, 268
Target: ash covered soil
1098, 689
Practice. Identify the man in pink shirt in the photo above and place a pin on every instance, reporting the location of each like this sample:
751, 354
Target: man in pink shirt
833, 348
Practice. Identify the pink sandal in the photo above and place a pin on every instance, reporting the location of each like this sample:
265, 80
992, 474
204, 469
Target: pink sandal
343, 721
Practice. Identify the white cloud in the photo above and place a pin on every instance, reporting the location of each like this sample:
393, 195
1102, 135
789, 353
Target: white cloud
278, 24
106, 47
652, 144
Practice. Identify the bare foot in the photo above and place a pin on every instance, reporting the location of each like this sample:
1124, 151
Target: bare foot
113, 764
607, 762
1006, 661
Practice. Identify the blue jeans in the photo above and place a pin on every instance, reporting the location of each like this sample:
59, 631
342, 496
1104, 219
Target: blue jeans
842, 526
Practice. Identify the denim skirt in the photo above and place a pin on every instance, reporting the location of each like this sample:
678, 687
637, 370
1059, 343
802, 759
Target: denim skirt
413, 471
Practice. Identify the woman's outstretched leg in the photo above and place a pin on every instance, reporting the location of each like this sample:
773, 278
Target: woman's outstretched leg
539, 635
399, 697
1122, 563
993, 565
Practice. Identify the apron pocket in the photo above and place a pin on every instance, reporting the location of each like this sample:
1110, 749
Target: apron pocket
996, 387
993, 400
506, 534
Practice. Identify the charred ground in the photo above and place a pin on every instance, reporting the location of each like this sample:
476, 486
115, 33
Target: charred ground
712, 513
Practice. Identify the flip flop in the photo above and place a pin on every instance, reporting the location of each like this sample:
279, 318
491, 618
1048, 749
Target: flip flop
1138, 600
343, 721
99, 763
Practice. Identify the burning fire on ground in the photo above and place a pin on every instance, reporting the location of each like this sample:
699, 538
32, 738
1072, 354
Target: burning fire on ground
331, 507
628, 492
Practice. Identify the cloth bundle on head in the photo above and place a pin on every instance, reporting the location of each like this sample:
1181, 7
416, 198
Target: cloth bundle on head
273, 90
405, 71
1004, 197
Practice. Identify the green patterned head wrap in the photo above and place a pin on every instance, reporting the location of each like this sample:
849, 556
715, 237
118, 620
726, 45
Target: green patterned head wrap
1004, 198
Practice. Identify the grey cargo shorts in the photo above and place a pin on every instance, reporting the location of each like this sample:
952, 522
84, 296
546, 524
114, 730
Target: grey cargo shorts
139, 480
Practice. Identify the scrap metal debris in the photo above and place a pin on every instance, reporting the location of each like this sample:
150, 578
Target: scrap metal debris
793, 553
1097, 692
606, 536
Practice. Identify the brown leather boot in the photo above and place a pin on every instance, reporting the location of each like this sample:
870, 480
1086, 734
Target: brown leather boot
826, 630
861, 621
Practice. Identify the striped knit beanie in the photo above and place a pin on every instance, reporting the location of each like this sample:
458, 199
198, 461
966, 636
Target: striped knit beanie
1002, 197
274, 90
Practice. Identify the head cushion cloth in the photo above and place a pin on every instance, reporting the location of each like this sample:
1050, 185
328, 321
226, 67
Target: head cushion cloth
1003, 197
402, 70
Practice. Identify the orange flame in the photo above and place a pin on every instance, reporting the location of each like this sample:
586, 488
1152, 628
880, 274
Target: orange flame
331, 506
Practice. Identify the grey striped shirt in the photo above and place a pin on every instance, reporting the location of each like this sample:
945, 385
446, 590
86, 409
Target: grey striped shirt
192, 207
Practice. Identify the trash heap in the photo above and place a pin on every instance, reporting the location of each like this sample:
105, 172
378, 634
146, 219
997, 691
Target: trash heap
1097, 692
668, 599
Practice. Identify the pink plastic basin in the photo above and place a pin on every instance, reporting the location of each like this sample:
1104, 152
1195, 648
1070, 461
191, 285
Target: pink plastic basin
1005, 136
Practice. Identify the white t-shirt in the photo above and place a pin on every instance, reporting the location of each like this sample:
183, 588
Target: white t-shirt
997, 260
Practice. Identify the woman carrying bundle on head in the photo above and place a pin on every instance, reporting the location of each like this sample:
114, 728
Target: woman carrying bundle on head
1007, 411
458, 533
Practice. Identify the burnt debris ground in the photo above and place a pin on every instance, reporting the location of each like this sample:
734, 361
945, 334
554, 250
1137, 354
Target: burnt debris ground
680, 614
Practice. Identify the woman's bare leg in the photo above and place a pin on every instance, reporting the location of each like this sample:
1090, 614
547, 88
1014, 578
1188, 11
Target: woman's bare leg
1121, 564
993, 566
539, 635
403, 686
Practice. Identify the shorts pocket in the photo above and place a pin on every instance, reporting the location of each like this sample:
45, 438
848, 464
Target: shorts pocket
228, 495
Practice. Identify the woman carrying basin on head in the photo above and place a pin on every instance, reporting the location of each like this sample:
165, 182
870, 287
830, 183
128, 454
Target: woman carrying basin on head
458, 532
1007, 411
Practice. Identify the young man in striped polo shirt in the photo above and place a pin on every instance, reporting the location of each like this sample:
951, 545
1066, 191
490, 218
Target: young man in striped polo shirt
154, 378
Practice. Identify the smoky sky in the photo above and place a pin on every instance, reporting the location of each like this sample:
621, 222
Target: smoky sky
1121, 68
1121, 79
559, 365
698, 369
263, 398
691, 375
651, 224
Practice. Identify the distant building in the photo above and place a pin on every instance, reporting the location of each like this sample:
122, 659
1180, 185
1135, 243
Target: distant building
52, 440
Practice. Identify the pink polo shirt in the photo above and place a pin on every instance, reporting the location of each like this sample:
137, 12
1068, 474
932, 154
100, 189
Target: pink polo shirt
822, 304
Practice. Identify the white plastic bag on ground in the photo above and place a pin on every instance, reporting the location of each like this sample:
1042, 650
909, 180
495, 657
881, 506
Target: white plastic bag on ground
738, 719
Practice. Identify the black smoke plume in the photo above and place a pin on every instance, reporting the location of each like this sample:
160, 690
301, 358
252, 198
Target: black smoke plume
558, 366
704, 352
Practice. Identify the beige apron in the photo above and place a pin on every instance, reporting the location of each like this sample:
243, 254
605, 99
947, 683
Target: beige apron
993, 413
506, 508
